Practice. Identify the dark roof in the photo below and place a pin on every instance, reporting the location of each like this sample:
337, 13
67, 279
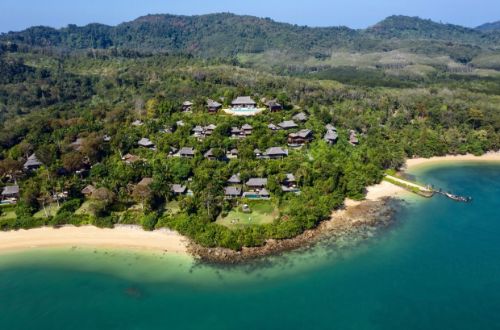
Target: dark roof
232, 191
209, 153
331, 136
145, 142
276, 151
242, 100
257, 182
213, 104
273, 104
32, 161
330, 127
302, 133
10, 190
198, 129
178, 189
287, 124
300, 117
264, 192
235, 179
235, 130
187, 151
131, 158
88, 189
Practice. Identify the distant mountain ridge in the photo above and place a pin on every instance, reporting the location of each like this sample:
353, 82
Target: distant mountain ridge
206, 35
229, 34
489, 27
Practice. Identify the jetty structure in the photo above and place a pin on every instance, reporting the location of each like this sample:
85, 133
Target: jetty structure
424, 191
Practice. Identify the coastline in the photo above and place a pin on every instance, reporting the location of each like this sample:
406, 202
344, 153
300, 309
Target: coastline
127, 237
354, 218
412, 163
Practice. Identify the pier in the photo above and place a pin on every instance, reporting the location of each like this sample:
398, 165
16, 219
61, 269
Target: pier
424, 191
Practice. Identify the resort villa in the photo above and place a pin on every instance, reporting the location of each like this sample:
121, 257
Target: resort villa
274, 106
178, 189
213, 106
146, 143
243, 106
288, 124
130, 159
232, 192
240, 133
290, 184
300, 138
10, 194
186, 106
275, 153
331, 135
32, 163
302, 117
256, 189
186, 152
353, 137
88, 190
202, 132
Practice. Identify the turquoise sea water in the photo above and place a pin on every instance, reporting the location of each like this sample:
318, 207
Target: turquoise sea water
437, 268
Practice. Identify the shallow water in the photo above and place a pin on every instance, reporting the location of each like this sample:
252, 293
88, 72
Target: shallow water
438, 268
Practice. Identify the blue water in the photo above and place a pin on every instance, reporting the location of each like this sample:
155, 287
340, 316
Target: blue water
437, 268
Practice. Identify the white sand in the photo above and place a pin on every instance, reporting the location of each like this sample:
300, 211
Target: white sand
387, 189
132, 237
493, 156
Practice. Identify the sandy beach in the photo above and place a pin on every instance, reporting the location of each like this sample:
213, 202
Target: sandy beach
493, 156
130, 237
377, 193
133, 237
386, 189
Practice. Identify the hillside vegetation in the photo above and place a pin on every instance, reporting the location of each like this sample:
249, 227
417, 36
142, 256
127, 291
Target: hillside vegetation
82, 98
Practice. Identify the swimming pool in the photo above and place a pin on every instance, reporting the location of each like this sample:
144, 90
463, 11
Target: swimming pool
243, 111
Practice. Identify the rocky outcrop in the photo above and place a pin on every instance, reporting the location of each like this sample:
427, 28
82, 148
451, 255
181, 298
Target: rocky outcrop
353, 222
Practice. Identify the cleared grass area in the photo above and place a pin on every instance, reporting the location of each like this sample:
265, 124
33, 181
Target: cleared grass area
51, 211
8, 214
173, 207
262, 212
85, 209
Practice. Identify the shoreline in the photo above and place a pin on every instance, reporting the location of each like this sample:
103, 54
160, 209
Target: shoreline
376, 210
126, 236
489, 157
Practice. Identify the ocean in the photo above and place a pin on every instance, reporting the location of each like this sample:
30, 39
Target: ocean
437, 267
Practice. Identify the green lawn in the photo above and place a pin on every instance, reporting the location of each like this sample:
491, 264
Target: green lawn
8, 214
51, 211
85, 209
262, 212
173, 207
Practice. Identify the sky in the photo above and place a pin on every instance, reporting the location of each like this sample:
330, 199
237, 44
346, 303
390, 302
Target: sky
19, 14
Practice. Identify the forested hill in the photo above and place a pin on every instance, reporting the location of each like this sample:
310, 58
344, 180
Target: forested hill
495, 26
221, 35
